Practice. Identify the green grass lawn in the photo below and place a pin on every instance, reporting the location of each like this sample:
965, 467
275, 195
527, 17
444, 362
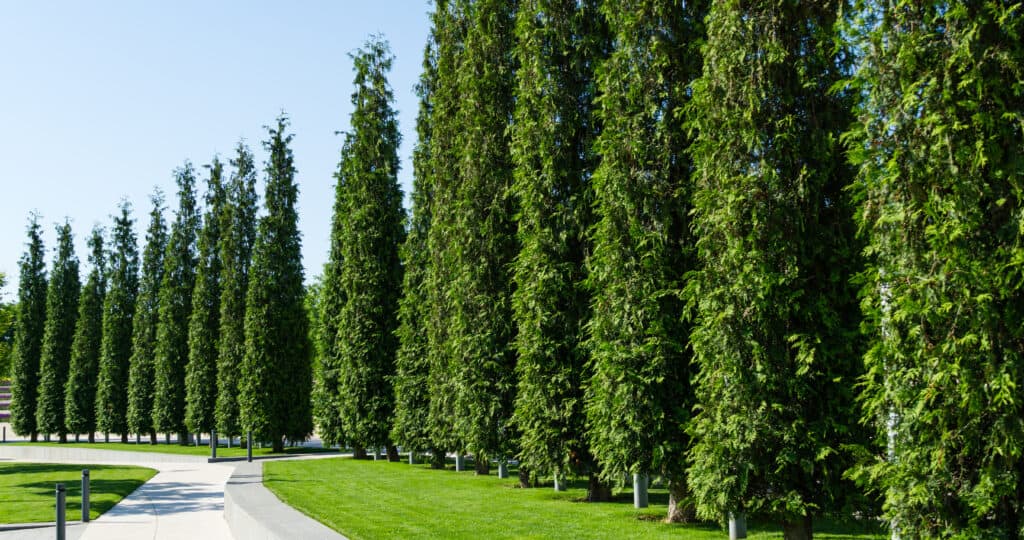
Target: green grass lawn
222, 451
27, 489
367, 499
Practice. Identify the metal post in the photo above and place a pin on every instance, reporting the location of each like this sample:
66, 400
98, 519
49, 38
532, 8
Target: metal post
5, 433
61, 533
85, 495
640, 490
502, 468
458, 462
248, 446
213, 444
737, 526
559, 482
412, 457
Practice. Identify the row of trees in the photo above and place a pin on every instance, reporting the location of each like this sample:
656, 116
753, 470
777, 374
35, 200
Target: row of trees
202, 337
763, 250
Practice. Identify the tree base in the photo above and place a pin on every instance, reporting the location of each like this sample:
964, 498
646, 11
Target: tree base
680, 508
481, 465
392, 451
359, 452
799, 529
598, 491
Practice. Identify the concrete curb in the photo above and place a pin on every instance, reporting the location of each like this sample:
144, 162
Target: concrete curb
89, 455
252, 511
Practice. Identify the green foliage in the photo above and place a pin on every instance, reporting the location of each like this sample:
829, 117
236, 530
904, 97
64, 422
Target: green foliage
61, 314
238, 233
940, 145
366, 274
141, 367
175, 309
276, 376
483, 235
558, 44
80, 391
119, 309
410, 427
775, 337
28, 333
204, 325
449, 29
639, 398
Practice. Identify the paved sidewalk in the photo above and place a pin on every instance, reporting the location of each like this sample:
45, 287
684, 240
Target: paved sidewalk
183, 500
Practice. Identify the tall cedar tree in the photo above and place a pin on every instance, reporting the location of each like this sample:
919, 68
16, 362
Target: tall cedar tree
119, 308
238, 233
204, 325
412, 400
483, 234
176, 289
61, 315
558, 44
639, 398
326, 415
28, 333
449, 29
141, 366
80, 390
940, 146
368, 274
776, 338
276, 376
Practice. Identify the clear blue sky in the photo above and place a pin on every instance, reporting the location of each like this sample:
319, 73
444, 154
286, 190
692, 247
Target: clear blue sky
102, 100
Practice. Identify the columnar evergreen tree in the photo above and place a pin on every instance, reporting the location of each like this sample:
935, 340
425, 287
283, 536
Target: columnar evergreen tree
484, 235
777, 315
558, 44
639, 398
238, 233
204, 325
61, 315
940, 146
276, 375
326, 413
28, 333
141, 368
175, 309
80, 391
112, 405
449, 29
367, 273
412, 400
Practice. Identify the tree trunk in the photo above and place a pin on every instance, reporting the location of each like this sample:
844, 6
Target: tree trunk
680, 508
184, 438
34, 437
524, 477
62, 437
437, 458
393, 453
481, 465
277, 445
798, 529
359, 452
152, 437
76, 438
124, 438
92, 437
598, 491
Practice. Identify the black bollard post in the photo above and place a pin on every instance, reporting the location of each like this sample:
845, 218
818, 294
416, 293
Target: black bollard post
248, 446
85, 495
61, 533
213, 444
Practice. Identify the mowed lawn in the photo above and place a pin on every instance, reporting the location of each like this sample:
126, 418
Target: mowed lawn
369, 500
204, 450
27, 490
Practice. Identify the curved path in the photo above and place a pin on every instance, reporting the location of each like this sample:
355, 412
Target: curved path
185, 499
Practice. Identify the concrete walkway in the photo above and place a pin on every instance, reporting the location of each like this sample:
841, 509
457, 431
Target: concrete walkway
184, 499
